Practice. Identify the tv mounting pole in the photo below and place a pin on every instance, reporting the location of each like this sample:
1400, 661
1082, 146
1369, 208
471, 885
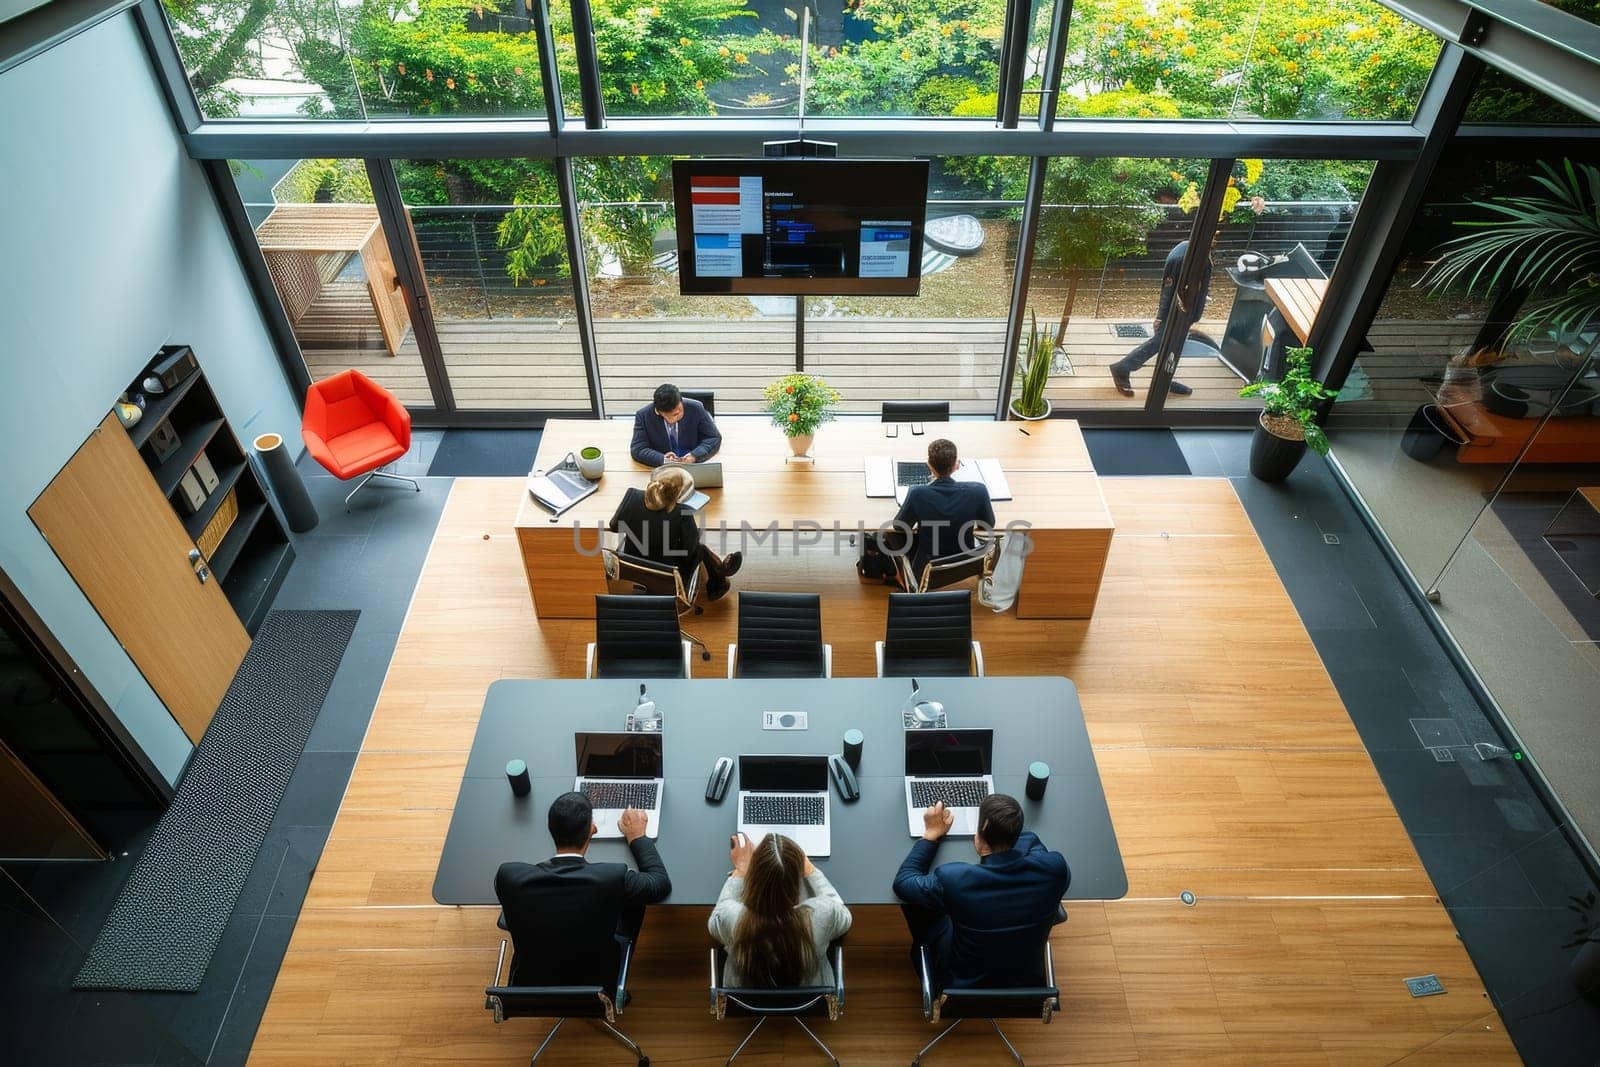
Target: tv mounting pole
802, 147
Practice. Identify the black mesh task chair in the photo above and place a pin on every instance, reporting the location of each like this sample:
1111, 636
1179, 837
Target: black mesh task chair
707, 397
1016, 1002
562, 1003
929, 634
630, 575
636, 637
763, 1004
916, 411
952, 569
780, 636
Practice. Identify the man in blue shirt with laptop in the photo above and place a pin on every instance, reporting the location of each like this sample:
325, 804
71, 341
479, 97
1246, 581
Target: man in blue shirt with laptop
673, 429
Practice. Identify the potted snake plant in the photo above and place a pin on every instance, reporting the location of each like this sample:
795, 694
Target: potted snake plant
1288, 420
1033, 370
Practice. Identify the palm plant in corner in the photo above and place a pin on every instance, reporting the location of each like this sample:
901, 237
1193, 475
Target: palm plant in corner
1288, 420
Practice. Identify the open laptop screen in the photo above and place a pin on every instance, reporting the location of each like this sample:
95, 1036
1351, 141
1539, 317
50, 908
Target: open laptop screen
618, 755
783, 774
943, 753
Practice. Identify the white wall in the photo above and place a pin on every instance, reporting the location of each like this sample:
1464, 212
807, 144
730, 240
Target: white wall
110, 246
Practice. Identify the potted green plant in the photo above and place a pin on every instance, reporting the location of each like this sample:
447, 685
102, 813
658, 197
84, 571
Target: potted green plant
798, 404
1033, 374
1585, 968
1288, 421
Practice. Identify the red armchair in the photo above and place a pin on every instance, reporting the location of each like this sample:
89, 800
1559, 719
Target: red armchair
352, 426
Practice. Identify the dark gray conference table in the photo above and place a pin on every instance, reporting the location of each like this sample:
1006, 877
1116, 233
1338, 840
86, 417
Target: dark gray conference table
1033, 719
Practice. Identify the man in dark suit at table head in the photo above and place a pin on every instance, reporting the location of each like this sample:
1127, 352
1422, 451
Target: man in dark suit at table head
673, 429
943, 515
568, 917
984, 924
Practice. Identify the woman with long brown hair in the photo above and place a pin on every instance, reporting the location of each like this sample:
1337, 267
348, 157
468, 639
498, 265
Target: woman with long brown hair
776, 916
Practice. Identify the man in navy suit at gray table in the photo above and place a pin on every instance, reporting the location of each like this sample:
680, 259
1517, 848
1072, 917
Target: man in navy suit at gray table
673, 429
983, 924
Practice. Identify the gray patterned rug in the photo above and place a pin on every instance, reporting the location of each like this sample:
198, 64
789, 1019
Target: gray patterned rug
171, 913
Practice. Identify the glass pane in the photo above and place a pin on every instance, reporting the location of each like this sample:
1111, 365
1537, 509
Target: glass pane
1106, 227
347, 60
253, 59
1421, 427
904, 58
332, 268
689, 57
646, 332
1499, 98
742, 59
1335, 59
494, 254
947, 343
1292, 216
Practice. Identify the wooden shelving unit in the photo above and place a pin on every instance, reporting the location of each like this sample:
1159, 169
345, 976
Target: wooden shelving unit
254, 554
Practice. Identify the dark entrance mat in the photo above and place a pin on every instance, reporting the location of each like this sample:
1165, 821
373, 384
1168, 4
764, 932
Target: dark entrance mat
172, 911
1118, 452
485, 454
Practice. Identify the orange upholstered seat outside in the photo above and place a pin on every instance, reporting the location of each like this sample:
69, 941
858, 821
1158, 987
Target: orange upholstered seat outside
353, 425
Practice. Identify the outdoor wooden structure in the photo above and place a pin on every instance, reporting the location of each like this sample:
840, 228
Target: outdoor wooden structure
307, 245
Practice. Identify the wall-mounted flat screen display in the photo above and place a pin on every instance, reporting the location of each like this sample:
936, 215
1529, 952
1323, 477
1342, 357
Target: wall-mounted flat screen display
811, 227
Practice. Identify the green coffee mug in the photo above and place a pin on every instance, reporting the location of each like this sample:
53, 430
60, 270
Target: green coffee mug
591, 463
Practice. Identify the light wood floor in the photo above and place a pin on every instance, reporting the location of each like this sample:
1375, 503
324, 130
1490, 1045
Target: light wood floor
1230, 767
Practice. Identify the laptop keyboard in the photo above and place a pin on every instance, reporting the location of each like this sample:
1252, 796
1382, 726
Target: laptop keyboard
955, 792
621, 794
909, 473
797, 809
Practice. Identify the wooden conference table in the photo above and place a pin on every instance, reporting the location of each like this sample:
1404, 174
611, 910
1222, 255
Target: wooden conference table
1054, 487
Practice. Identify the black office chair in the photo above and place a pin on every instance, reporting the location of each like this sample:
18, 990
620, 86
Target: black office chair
562, 1003
636, 637
916, 411
780, 636
1018, 1002
929, 634
764, 1004
952, 569
630, 575
707, 397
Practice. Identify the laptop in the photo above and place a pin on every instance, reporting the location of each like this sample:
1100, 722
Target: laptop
619, 771
949, 765
897, 477
786, 795
707, 475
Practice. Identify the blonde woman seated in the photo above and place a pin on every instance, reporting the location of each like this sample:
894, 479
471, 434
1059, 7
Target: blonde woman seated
776, 916
654, 524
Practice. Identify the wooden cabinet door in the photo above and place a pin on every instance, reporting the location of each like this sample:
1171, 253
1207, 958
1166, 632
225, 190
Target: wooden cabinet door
118, 536
36, 826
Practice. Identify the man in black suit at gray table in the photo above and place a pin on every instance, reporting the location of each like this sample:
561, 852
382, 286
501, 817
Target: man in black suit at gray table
568, 917
943, 514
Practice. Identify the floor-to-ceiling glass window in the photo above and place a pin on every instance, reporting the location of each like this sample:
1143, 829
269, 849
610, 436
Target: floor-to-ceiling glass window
332, 266
1472, 430
494, 257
